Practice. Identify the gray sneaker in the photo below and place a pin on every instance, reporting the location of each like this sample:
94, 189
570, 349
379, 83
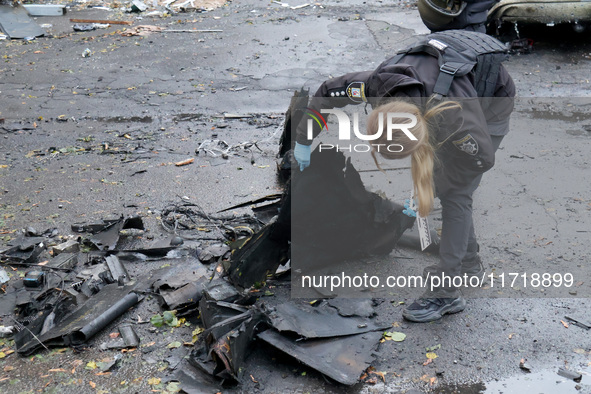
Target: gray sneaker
426, 310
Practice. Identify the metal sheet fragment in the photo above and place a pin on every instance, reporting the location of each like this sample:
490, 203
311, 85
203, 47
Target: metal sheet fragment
343, 359
321, 321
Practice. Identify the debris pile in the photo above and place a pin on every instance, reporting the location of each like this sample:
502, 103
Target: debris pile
215, 268
16, 20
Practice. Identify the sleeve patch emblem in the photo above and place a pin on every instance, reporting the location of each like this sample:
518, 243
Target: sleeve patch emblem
356, 91
467, 144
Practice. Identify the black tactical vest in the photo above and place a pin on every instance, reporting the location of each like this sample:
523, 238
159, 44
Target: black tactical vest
460, 52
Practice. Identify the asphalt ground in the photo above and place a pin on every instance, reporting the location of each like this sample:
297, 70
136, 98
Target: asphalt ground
88, 138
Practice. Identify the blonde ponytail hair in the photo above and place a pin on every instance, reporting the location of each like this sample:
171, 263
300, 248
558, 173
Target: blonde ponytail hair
421, 151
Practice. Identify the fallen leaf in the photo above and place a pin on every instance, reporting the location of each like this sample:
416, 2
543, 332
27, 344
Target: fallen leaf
157, 320
113, 335
57, 370
8, 368
380, 374
91, 365
425, 378
153, 381
174, 345
92, 384
173, 387
429, 361
433, 381
196, 333
431, 355
253, 379
394, 336
170, 319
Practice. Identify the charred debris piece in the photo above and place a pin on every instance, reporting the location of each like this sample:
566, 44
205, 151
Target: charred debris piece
72, 290
340, 347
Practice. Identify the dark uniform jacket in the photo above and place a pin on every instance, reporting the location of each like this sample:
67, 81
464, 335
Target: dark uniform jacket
464, 145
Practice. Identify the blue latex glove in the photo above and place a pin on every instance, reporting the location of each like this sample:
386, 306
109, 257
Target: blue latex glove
408, 209
302, 155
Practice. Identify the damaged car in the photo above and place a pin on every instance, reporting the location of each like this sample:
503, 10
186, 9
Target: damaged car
548, 12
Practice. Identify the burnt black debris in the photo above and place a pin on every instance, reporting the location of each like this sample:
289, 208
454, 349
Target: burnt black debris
217, 270
579, 321
128, 339
74, 327
342, 358
322, 321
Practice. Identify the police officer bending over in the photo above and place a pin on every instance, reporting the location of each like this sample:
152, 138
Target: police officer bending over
453, 82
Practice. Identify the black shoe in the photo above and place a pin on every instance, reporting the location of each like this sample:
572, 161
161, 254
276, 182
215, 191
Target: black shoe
471, 268
425, 310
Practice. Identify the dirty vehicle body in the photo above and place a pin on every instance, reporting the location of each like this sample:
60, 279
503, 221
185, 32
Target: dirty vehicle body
549, 12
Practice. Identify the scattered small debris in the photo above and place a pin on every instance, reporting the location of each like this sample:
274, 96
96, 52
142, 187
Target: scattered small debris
184, 162
138, 6
101, 21
524, 365
45, 9
579, 322
565, 324
142, 30
576, 376
521, 45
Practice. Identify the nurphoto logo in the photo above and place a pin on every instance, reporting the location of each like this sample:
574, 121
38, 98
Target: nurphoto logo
345, 125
